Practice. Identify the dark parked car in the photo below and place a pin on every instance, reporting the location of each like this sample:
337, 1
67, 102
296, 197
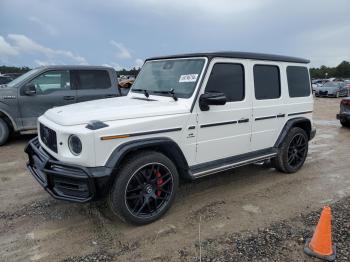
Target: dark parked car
27, 97
344, 114
13, 75
5, 79
332, 89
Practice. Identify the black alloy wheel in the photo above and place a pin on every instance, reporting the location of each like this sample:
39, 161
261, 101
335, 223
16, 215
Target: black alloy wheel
297, 150
293, 151
148, 190
144, 188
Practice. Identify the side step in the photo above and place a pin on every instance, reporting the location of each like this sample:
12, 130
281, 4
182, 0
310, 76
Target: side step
224, 164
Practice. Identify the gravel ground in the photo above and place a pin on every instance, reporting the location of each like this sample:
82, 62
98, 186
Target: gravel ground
280, 241
251, 213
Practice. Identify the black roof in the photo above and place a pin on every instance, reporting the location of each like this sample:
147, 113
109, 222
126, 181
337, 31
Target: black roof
242, 55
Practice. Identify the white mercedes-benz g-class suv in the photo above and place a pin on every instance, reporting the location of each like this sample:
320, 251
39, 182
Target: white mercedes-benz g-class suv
186, 116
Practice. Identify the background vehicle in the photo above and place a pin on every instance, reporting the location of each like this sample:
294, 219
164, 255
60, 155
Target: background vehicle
5, 79
13, 75
125, 85
332, 89
344, 114
186, 116
27, 97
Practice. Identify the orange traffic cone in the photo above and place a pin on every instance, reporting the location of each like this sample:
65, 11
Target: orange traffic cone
320, 245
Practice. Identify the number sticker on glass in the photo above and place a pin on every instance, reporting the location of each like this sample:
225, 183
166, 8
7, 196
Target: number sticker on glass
188, 78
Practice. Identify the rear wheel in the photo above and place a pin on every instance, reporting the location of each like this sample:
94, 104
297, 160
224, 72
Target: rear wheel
293, 152
144, 188
4, 132
345, 123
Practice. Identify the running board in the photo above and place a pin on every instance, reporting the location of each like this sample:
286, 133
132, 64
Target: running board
220, 165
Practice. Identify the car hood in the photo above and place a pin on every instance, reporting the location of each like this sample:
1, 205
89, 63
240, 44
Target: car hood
113, 109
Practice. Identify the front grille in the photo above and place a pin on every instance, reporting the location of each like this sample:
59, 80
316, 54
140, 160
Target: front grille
48, 137
324, 93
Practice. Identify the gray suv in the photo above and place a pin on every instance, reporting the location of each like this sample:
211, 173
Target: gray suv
27, 97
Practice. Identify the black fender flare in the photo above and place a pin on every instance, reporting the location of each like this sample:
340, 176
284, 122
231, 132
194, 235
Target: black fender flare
164, 145
303, 122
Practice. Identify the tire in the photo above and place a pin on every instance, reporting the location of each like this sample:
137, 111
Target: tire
4, 132
344, 123
144, 188
292, 154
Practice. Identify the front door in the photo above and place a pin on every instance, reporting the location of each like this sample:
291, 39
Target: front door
225, 130
53, 89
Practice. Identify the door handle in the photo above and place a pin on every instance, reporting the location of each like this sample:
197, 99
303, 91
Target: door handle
69, 98
243, 120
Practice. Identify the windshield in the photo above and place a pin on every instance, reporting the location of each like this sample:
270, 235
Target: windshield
179, 75
22, 77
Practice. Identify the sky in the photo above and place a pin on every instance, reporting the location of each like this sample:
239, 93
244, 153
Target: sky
123, 33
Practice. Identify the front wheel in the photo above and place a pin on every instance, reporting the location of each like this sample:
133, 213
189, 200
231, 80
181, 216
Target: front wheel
145, 188
293, 152
4, 132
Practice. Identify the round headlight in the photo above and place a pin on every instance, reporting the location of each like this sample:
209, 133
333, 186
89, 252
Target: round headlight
75, 145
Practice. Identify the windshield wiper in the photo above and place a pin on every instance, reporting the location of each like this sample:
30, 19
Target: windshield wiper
145, 92
170, 92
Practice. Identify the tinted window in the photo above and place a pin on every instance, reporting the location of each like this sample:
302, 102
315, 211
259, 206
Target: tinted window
92, 79
298, 81
228, 79
51, 81
267, 82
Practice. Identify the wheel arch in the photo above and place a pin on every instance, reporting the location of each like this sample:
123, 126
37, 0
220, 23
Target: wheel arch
8, 119
302, 122
164, 145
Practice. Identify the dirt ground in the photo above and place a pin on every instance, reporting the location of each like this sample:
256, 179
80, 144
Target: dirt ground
248, 214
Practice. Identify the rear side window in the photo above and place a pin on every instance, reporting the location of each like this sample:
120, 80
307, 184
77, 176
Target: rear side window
91, 79
228, 79
267, 82
298, 81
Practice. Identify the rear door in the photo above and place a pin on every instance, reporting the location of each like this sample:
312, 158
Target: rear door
53, 88
93, 84
268, 104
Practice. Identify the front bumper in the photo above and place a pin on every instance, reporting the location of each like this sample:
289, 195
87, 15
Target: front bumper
343, 116
66, 181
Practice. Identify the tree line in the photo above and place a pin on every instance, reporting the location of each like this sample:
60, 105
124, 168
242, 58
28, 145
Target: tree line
340, 71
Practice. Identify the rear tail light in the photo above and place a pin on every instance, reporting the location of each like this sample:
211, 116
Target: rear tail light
345, 102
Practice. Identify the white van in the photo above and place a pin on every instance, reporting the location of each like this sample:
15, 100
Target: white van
186, 116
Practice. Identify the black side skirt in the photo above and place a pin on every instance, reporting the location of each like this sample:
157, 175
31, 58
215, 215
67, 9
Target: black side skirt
215, 166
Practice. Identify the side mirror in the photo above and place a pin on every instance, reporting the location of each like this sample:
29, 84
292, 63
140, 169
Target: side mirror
211, 98
29, 90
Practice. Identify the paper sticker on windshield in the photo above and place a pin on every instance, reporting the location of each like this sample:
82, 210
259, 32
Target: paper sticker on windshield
188, 78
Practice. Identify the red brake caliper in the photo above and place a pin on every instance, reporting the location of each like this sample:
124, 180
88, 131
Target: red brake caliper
159, 182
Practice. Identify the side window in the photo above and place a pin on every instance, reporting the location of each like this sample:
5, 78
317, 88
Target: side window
52, 81
267, 82
298, 81
227, 78
91, 79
